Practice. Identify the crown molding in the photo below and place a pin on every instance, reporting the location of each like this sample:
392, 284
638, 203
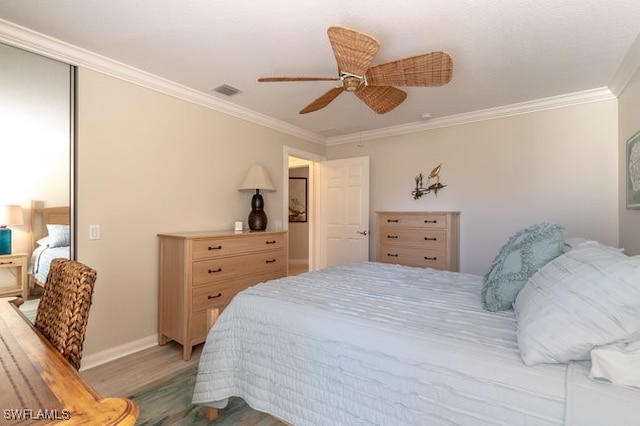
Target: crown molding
44, 45
27, 39
570, 99
629, 66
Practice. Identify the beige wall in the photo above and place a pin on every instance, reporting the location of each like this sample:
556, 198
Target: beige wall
629, 121
150, 163
299, 231
558, 165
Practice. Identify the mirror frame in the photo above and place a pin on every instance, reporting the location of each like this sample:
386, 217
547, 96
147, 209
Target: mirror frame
73, 162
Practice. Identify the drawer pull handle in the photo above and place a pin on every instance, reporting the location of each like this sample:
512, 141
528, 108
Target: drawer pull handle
393, 220
214, 248
430, 258
271, 242
392, 255
6, 263
395, 237
430, 221
430, 239
214, 297
270, 261
213, 271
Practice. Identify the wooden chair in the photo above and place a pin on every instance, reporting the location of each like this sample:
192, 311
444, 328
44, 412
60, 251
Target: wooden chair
63, 310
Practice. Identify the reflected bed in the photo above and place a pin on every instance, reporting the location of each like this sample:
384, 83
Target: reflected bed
50, 239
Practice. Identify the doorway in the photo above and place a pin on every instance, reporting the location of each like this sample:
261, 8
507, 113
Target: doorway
299, 216
302, 250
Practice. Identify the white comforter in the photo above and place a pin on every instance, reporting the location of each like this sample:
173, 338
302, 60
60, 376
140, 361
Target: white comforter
384, 344
41, 260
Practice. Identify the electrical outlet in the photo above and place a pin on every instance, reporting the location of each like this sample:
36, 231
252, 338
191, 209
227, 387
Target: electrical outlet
94, 232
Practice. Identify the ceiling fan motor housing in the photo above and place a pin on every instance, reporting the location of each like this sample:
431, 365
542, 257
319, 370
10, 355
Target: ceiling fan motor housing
351, 83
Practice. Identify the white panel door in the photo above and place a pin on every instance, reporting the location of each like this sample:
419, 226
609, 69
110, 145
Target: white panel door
343, 206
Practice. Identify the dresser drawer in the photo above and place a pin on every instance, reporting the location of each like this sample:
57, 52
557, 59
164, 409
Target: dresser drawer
413, 220
423, 258
219, 296
424, 238
209, 248
219, 270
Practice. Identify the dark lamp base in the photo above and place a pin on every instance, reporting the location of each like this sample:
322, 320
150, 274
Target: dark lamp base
257, 220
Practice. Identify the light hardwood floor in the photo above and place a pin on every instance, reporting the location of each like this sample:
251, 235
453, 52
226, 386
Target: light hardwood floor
120, 377
298, 268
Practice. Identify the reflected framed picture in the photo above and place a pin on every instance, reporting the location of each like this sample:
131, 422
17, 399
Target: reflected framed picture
297, 199
633, 172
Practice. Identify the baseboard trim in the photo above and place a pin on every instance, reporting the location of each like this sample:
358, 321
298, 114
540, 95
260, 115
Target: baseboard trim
112, 354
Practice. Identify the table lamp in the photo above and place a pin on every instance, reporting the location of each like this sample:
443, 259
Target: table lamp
10, 215
257, 179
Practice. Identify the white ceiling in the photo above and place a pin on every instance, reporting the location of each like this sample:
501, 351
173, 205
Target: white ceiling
504, 52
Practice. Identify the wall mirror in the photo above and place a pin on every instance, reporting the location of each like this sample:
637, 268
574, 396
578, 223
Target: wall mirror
37, 140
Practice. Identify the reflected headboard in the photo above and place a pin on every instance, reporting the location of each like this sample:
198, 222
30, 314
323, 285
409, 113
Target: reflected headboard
41, 216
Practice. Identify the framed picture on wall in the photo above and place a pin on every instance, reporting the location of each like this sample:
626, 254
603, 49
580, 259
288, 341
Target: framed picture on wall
297, 199
633, 172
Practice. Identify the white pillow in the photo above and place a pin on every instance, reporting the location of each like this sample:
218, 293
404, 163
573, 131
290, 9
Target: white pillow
43, 242
587, 297
618, 364
59, 235
571, 243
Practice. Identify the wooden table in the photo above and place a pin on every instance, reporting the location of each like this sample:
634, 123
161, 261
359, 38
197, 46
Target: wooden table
38, 386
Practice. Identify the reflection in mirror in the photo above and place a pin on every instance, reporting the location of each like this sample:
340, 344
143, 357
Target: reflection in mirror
36, 136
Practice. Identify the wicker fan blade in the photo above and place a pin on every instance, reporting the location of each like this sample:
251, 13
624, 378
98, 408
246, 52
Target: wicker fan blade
280, 79
381, 99
353, 50
323, 100
430, 69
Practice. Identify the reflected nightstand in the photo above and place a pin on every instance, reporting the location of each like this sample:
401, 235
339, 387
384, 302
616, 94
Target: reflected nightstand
21, 286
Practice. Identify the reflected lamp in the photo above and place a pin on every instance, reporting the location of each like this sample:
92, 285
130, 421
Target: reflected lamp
10, 215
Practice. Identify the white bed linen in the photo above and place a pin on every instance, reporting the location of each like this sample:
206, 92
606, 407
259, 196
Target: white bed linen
375, 343
41, 260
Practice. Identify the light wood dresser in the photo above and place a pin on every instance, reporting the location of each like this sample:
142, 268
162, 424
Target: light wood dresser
203, 270
423, 239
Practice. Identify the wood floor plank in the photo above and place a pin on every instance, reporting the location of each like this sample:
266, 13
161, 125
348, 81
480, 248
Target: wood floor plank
120, 377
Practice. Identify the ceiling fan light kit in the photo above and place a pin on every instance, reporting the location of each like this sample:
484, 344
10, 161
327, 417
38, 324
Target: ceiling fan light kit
374, 85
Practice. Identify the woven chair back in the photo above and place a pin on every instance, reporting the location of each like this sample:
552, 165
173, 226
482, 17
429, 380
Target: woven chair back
63, 310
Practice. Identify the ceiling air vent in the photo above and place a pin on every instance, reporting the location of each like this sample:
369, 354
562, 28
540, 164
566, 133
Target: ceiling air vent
227, 90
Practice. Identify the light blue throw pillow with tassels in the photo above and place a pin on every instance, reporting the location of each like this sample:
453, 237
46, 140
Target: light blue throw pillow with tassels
524, 253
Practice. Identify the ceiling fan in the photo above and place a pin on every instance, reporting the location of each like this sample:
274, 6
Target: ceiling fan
354, 52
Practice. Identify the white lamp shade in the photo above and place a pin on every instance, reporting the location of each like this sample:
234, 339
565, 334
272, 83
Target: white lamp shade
11, 215
257, 178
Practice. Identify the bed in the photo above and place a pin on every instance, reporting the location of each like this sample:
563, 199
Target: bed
50, 239
379, 344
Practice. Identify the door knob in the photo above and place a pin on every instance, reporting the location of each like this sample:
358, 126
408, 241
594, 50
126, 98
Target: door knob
362, 232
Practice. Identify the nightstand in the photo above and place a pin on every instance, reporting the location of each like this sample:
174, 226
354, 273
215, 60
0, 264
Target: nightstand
19, 262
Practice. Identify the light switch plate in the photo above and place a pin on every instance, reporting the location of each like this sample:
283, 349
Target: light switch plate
94, 232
